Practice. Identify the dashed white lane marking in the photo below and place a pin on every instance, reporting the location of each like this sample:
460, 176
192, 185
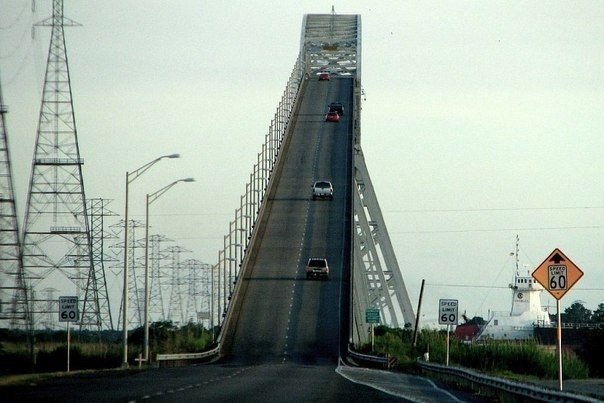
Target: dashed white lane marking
190, 386
299, 263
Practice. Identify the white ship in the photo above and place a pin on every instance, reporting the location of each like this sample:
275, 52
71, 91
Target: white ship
526, 313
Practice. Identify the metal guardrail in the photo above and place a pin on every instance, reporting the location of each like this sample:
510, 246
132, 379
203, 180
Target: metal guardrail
478, 381
165, 360
501, 386
372, 360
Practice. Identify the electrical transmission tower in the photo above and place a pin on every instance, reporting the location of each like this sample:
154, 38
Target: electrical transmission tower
194, 269
13, 295
157, 285
98, 212
175, 311
56, 239
136, 304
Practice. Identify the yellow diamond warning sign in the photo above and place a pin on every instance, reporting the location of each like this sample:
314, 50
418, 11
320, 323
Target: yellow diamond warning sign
557, 274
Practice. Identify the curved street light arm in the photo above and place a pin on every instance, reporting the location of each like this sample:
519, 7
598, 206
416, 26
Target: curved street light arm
154, 196
130, 176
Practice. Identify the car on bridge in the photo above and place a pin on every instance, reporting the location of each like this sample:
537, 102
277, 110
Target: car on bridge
336, 107
324, 76
332, 116
322, 190
317, 267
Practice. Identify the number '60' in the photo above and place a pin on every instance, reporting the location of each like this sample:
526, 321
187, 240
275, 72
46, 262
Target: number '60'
557, 282
447, 318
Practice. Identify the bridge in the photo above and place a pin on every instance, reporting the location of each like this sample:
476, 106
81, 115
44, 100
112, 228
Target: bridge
279, 330
266, 308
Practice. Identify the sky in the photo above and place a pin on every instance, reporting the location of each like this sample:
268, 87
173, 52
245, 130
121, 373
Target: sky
482, 121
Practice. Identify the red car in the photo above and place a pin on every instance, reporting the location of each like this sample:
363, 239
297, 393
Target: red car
332, 116
324, 76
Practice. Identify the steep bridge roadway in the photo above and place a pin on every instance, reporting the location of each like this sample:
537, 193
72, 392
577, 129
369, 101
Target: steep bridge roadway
279, 315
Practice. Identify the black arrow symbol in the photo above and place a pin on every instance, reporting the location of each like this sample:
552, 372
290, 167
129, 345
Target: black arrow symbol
557, 258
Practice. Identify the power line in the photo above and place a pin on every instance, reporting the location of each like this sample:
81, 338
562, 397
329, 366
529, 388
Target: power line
16, 20
498, 287
493, 209
495, 230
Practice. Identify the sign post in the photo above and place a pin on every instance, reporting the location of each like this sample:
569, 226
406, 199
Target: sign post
372, 316
557, 274
68, 312
448, 315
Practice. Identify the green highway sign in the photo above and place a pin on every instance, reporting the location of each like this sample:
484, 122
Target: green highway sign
372, 315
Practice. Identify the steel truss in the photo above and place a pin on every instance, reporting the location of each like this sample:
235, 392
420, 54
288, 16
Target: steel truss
377, 279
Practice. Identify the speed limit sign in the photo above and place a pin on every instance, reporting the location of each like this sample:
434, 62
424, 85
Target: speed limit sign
68, 309
557, 274
447, 311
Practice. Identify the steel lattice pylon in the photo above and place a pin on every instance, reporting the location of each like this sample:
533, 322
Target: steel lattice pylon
13, 295
56, 239
98, 212
195, 269
157, 286
175, 310
135, 278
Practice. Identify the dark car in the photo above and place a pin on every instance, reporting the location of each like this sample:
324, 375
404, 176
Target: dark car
324, 76
336, 107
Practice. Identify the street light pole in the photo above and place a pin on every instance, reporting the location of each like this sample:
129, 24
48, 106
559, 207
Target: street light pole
150, 199
130, 177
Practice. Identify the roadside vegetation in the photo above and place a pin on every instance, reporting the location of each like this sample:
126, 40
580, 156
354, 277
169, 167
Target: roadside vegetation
505, 358
94, 350
526, 358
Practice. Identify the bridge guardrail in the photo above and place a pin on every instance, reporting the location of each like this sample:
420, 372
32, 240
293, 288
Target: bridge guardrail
373, 360
477, 381
482, 382
165, 360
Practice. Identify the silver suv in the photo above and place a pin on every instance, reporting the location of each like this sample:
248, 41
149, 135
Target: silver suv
317, 268
322, 190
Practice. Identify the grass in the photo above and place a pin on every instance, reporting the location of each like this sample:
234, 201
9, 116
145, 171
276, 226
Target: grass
526, 358
90, 350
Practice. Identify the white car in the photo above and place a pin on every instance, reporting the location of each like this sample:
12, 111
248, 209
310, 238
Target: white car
322, 190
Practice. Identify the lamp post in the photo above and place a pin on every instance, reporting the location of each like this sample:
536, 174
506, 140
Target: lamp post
150, 199
130, 177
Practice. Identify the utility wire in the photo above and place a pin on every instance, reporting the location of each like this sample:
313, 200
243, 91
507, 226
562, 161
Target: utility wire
493, 209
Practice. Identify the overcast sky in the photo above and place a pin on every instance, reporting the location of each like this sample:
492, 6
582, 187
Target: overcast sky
482, 121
